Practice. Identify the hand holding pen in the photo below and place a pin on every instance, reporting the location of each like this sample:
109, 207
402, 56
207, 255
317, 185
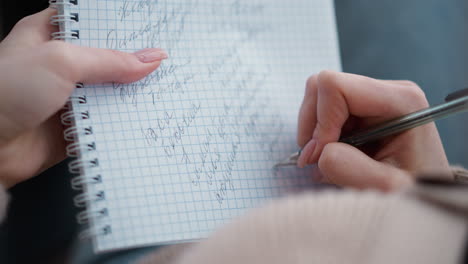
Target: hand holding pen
336, 104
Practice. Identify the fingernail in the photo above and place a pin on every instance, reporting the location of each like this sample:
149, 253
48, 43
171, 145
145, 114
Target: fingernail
306, 154
151, 55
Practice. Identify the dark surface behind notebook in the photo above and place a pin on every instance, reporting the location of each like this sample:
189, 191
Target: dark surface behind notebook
421, 40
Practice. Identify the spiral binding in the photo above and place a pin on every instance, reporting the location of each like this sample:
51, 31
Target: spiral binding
62, 19
65, 20
102, 231
85, 216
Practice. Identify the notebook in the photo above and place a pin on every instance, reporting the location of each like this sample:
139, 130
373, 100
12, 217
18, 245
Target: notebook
174, 156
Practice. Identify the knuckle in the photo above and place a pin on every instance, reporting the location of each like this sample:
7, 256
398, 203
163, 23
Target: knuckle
56, 52
326, 80
409, 83
388, 183
328, 158
326, 74
58, 56
311, 85
397, 177
416, 95
121, 59
326, 77
24, 22
129, 71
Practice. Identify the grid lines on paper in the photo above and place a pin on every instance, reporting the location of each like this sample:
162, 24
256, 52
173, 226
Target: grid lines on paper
191, 146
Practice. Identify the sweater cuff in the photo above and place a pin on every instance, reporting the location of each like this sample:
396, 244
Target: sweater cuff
460, 174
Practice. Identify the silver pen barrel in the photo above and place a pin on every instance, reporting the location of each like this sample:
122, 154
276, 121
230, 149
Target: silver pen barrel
455, 103
408, 121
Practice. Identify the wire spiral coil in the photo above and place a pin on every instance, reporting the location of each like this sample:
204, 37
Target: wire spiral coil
64, 18
78, 146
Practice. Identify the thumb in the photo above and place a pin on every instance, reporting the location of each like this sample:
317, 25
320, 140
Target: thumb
94, 65
54, 69
344, 165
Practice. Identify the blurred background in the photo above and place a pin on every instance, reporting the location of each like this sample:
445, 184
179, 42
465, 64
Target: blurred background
425, 41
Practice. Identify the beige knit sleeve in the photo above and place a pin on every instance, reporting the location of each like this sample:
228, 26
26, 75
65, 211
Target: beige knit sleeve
336, 227
460, 174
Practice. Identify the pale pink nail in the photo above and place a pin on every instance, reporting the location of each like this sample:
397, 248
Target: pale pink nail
151, 55
306, 154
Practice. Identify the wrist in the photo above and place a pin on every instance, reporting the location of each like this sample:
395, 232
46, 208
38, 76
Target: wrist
7, 164
15, 166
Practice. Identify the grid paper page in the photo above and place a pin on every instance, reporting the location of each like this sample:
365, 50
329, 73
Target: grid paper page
191, 146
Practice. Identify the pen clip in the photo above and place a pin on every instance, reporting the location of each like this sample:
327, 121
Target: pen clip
456, 95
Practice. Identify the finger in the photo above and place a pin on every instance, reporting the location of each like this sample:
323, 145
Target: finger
307, 113
344, 165
31, 30
341, 95
93, 65
401, 82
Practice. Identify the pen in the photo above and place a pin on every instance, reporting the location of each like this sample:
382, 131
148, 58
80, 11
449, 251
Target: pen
454, 103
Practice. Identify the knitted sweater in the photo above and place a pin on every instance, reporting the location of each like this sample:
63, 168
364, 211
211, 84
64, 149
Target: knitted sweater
425, 224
